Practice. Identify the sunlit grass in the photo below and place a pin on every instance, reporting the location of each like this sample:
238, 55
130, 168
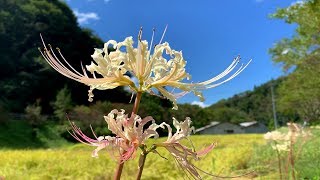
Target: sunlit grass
234, 155
229, 158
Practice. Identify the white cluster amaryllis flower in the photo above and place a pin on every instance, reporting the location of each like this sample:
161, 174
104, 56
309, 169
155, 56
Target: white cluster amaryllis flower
181, 153
146, 62
283, 146
282, 141
130, 134
279, 141
276, 136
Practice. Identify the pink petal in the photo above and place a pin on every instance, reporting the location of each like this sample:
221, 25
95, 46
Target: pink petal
100, 147
128, 154
206, 150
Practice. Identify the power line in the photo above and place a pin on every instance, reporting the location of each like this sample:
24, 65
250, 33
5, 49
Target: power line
274, 108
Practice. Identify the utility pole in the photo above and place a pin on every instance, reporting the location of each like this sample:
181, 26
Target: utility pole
274, 108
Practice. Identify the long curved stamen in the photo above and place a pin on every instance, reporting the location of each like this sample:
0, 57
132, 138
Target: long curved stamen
225, 72
68, 63
164, 32
241, 68
56, 63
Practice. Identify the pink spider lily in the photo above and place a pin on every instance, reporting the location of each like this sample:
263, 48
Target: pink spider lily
100, 142
130, 134
182, 154
131, 130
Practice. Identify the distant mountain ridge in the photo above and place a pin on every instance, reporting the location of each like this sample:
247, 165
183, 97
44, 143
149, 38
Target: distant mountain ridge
255, 105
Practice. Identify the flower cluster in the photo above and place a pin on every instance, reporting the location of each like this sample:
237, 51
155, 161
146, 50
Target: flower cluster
282, 141
131, 134
149, 65
286, 144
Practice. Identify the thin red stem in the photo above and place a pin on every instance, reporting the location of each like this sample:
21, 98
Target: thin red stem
136, 103
142, 160
292, 159
117, 175
135, 108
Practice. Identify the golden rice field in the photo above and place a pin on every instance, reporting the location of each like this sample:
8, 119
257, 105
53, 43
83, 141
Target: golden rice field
229, 158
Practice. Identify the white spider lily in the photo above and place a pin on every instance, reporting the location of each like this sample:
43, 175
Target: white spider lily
109, 67
146, 63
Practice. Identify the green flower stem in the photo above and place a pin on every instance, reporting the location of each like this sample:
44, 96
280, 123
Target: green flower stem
279, 163
118, 172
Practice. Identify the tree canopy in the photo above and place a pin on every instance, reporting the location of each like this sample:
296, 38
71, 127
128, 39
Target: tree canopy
25, 76
300, 54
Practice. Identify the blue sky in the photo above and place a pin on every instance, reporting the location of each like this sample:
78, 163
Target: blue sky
210, 34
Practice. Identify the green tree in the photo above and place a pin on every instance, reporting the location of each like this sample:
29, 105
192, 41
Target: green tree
187, 110
4, 115
227, 114
33, 114
300, 92
63, 103
292, 51
34, 117
25, 76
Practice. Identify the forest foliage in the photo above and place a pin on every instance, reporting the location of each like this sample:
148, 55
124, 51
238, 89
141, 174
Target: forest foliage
299, 55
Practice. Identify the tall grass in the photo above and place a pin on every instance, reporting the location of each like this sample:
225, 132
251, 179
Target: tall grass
307, 161
74, 162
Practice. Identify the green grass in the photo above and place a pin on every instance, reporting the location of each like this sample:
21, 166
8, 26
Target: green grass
307, 161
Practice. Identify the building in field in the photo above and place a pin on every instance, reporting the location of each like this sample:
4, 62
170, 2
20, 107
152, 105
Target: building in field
254, 127
230, 128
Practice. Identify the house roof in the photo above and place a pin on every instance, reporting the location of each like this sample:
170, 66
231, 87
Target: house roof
247, 124
213, 123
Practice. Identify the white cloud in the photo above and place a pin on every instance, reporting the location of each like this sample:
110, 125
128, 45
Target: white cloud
84, 18
201, 104
297, 3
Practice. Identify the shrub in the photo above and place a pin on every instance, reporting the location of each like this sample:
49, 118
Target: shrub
33, 114
62, 104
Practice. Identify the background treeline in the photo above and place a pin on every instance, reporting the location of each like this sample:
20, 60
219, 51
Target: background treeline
25, 77
29, 86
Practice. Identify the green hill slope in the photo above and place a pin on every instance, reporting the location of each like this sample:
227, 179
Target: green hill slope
255, 105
